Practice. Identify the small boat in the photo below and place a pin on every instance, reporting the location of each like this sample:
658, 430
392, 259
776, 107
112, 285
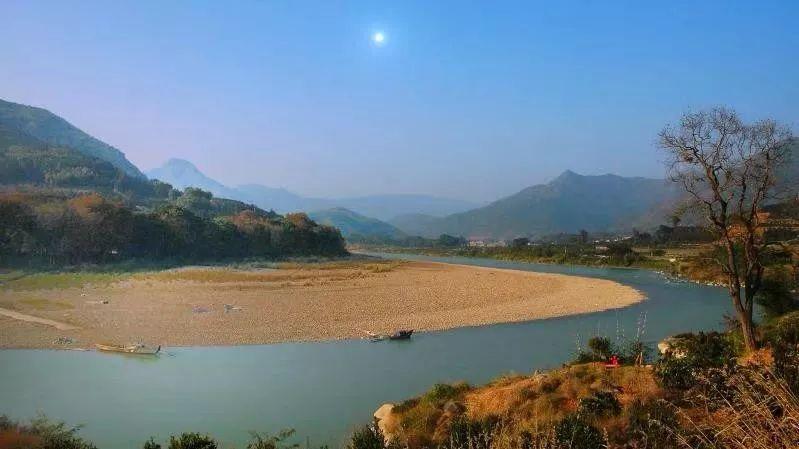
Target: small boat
129, 349
402, 334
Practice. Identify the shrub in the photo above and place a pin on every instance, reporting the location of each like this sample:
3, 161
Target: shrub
465, 433
151, 444
192, 441
652, 424
550, 383
786, 364
635, 351
675, 373
445, 392
694, 355
775, 297
574, 433
784, 330
600, 347
757, 410
58, 435
599, 404
267, 441
367, 437
41, 433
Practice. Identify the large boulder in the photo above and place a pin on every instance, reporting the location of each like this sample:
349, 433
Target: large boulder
385, 421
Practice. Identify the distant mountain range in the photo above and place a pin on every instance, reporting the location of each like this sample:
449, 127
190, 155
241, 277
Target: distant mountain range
182, 174
48, 128
569, 203
40, 149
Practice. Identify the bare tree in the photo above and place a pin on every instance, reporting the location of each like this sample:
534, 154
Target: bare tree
729, 170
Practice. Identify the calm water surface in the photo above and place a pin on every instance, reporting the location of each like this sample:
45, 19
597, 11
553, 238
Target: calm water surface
322, 390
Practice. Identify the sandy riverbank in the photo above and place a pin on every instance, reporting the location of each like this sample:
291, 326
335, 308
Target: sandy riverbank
298, 303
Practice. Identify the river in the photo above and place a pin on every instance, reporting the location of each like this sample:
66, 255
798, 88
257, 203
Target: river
323, 390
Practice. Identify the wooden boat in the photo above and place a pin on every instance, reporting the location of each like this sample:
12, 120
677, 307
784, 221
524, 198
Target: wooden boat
129, 349
402, 334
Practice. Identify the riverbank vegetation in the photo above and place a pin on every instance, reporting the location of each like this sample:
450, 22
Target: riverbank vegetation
703, 392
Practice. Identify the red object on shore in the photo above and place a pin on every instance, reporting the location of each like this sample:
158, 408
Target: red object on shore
614, 362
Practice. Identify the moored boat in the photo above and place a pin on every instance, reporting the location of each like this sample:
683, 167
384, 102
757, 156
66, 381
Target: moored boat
129, 349
402, 334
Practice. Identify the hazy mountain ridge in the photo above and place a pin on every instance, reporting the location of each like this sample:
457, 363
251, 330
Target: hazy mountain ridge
568, 203
182, 174
51, 129
352, 223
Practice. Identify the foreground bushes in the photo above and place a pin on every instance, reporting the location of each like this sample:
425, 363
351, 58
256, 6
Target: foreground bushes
694, 355
40, 434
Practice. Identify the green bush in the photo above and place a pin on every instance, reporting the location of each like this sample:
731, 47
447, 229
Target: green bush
675, 373
775, 297
786, 364
367, 437
599, 404
151, 444
651, 425
267, 441
599, 350
465, 433
48, 434
693, 355
783, 330
600, 346
445, 392
574, 433
192, 441
634, 351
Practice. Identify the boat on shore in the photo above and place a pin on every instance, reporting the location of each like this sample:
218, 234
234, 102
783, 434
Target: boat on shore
129, 349
403, 334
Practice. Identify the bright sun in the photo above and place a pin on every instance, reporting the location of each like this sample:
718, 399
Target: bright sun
378, 38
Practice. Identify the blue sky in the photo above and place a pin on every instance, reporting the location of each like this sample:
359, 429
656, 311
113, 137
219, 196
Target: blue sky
472, 100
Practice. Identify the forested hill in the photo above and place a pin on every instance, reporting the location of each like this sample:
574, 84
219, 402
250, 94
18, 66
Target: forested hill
62, 206
54, 130
27, 160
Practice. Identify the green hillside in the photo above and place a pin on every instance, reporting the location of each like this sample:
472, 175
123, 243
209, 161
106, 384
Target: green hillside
51, 129
352, 224
26, 160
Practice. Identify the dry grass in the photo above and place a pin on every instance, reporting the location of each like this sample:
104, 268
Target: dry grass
50, 281
46, 304
524, 404
284, 272
754, 410
545, 398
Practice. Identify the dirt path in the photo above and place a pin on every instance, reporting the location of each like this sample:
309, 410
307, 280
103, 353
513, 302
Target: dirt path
34, 319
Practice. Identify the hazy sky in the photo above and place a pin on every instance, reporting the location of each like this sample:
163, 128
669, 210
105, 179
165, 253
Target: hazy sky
464, 99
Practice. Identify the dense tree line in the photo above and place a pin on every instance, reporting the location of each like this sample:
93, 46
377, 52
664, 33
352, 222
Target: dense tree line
409, 241
40, 228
